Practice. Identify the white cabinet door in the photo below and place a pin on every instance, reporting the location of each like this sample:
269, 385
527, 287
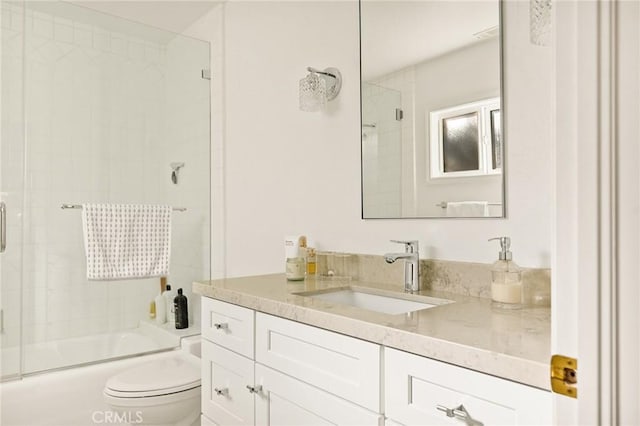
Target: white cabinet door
416, 386
342, 365
284, 400
225, 376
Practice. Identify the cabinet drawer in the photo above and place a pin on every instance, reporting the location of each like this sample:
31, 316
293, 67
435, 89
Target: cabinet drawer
415, 386
284, 400
342, 365
225, 375
228, 325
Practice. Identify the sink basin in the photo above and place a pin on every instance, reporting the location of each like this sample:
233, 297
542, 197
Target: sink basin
376, 300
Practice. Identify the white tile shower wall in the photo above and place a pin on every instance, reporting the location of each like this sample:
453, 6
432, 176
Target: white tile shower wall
290, 171
98, 131
93, 99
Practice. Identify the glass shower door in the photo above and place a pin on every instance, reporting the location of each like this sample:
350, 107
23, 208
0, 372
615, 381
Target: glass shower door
12, 150
381, 152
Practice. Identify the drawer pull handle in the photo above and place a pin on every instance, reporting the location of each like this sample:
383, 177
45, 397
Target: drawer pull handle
254, 389
221, 392
221, 326
460, 413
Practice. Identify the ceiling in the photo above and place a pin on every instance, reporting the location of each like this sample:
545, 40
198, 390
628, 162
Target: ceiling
396, 34
175, 16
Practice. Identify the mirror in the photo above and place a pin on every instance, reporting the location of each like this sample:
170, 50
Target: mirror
431, 99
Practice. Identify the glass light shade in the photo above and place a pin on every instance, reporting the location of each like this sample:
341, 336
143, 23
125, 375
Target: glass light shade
313, 93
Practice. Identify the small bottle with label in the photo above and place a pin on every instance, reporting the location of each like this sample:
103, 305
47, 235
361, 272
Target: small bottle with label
168, 295
311, 261
506, 278
295, 248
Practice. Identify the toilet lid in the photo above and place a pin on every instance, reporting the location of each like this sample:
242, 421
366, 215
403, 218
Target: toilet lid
156, 378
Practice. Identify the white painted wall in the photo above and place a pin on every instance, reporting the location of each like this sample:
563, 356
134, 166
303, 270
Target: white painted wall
287, 171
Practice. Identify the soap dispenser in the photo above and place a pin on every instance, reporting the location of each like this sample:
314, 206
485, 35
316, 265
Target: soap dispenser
506, 278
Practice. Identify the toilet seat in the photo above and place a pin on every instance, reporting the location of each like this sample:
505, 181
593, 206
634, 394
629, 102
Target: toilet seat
154, 379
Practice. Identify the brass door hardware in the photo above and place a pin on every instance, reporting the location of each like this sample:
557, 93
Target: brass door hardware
564, 375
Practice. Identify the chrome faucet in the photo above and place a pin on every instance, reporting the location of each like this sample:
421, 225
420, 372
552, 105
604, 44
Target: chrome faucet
411, 264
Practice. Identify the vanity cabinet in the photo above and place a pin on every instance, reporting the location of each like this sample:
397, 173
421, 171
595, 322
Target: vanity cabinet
262, 369
423, 391
292, 377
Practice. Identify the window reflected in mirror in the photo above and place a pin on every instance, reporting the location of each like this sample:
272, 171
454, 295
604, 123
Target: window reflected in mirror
431, 75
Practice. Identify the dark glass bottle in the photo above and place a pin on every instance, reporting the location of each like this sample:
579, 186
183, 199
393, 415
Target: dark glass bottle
181, 312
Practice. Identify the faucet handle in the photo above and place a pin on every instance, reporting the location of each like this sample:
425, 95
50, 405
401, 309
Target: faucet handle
409, 246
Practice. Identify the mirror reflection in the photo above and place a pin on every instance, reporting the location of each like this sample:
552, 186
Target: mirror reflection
432, 140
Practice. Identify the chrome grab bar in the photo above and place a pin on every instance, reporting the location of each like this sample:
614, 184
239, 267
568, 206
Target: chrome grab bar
3, 226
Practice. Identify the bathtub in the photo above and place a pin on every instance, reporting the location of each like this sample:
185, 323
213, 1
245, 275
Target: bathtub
70, 397
146, 338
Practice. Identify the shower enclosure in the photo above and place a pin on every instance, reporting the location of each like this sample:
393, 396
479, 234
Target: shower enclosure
94, 109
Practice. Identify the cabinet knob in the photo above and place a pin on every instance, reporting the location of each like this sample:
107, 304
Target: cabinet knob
254, 389
221, 392
221, 325
461, 413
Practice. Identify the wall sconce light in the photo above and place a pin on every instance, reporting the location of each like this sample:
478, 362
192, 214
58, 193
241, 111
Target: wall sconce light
319, 87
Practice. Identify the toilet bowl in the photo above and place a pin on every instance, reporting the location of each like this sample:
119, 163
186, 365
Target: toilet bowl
161, 392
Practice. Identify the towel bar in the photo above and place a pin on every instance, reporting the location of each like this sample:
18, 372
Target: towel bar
444, 204
79, 206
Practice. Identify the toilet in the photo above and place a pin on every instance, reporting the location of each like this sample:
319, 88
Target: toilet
161, 392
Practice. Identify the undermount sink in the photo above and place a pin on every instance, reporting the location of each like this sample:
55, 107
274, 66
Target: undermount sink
376, 300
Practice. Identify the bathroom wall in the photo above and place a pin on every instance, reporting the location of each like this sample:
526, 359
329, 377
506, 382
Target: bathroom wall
287, 171
108, 108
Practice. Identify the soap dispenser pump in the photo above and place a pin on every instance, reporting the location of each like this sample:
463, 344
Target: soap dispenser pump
506, 278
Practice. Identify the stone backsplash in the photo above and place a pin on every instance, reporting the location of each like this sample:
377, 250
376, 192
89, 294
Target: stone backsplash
466, 278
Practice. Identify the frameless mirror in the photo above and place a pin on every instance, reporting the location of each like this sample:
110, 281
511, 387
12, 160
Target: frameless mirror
431, 107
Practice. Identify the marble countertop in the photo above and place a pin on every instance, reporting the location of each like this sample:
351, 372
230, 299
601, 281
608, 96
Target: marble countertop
512, 344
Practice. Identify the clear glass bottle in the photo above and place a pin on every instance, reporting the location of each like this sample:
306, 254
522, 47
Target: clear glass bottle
506, 278
311, 261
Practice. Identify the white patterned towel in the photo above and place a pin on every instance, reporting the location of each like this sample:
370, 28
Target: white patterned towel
468, 209
124, 241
